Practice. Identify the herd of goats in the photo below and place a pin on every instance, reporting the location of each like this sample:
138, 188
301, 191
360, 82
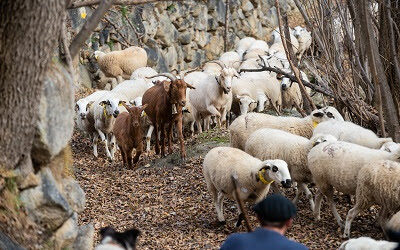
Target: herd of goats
265, 150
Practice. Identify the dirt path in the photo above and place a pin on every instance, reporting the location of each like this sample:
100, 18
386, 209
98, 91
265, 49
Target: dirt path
170, 204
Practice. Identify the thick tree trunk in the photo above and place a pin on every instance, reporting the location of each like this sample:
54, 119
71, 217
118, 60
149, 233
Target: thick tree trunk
29, 32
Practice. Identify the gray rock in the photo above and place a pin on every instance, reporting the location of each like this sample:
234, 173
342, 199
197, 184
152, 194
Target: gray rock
45, 203
154, 56
84, 77
212, 24
198, 59
166, 32
201, 38
215, 47
271, 18
188, 52
85, 238
201, 18
65, 236
56, 115
247, 6
74, 194
185, 37
171, 57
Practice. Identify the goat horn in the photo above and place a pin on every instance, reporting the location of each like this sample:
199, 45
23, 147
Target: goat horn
220, 63
185, 72
168, 75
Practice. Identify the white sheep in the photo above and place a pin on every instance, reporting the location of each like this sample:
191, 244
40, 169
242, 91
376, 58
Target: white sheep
350, 132
82, 107
336, 166
231, 58
244, 125
212, 93
366, 243
270, 143
277, 42
390, 146
104, 111
254, 54
121, 64
377, 183
304, 38
259, 89
254, 176
133, 88
142, 73
243, 45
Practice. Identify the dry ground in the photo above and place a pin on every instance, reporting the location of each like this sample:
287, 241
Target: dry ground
169, 202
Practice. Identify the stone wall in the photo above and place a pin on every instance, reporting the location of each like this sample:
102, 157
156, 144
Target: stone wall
181, 35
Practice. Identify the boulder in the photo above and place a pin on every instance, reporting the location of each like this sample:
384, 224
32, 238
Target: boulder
84, 77
56, 114
7, 243
45, 203
166, 33
171, 57
84, 239
185, 37
215, 47
65, 236
201, 38
74, 194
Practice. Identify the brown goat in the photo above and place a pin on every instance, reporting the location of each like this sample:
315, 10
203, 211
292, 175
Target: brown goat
128, 134
160, 99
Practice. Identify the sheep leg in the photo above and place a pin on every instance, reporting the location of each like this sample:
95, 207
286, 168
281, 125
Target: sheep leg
219, 206
214, 111
113, 145
191, 129
383, 218
95, 138
107, 150
317, 208
261, 101
198, 124
349, 219
329, 197
148, 137
223, 118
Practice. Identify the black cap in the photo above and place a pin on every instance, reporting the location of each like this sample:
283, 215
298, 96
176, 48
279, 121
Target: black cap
275, 208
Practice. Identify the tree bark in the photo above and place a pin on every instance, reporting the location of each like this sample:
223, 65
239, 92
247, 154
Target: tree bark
226, 26
29, 31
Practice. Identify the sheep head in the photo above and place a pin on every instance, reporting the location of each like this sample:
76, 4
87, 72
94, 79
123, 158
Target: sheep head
246, 102
110, 106
275, 170
321, 138
82, 108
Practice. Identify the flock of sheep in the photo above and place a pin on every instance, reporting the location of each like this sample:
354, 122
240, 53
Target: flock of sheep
265, 150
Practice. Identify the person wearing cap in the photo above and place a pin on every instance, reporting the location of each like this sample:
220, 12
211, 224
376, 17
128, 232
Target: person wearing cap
275, 214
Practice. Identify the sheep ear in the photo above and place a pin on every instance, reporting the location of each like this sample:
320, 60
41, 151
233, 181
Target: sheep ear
318, 114
89, 104
265, 166
279, 76
190, 86
76, 107
102, 103
166, 85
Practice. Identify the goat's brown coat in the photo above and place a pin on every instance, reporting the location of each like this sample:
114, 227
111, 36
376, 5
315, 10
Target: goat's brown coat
128, 134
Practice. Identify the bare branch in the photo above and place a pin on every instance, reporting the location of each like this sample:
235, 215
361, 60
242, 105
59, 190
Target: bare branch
89, 26
116, 28
84, 3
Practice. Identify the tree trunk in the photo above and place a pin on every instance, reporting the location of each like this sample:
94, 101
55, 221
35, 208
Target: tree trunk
29, 31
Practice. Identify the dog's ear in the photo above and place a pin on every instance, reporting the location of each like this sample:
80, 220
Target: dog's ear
130, 237
107, 231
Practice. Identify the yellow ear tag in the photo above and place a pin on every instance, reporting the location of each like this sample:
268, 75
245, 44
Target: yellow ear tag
120, 104
143, 114
83, 15
262, 179
315, 124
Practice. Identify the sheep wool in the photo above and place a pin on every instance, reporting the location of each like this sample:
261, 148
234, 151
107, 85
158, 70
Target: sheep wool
367, 243
121, 63
350, 132
378, 183
221, 163
277, 144
336, 165
244, 125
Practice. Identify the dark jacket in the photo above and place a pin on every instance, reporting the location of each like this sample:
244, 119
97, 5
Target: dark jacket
261, 238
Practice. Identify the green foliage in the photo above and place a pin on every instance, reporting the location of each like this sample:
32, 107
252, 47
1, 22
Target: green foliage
171, 7
111, 44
